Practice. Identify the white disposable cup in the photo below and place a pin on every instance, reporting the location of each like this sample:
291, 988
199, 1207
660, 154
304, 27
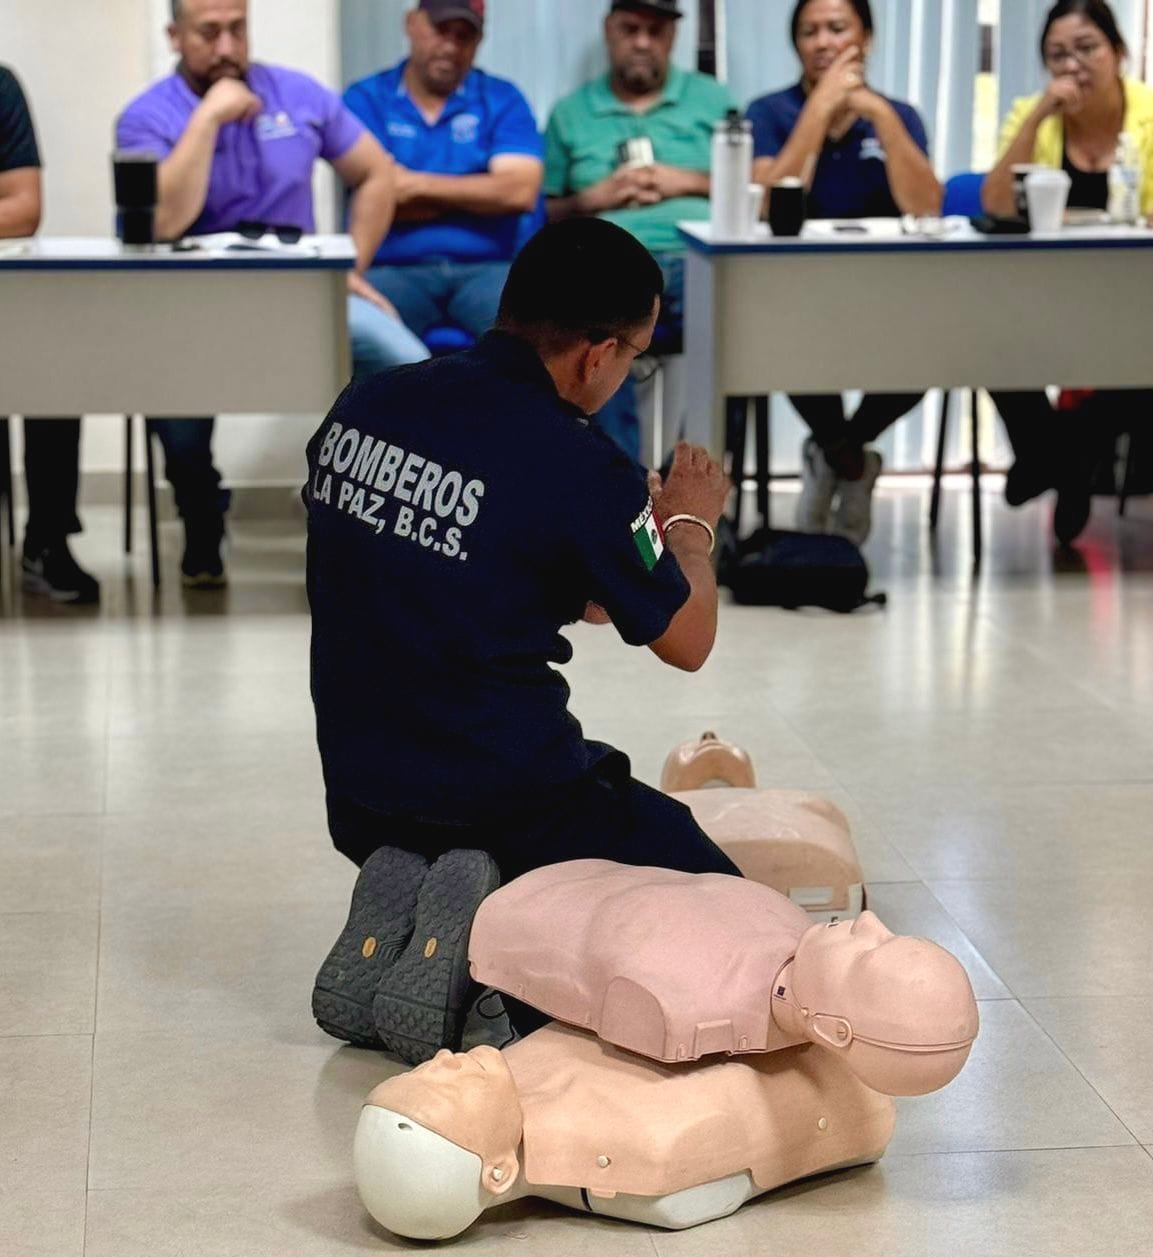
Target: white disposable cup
756, 206
1048, 195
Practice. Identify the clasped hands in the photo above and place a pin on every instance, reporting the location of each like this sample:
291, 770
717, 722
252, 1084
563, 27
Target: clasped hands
631, 187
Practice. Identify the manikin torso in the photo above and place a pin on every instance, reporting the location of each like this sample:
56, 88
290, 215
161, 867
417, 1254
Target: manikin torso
666, 1145
797, 843
588, 943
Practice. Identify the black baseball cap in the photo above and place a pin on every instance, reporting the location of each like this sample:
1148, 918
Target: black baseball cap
661, 8
448, 10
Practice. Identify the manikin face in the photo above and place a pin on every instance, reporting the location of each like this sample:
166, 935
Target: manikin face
826, 28
1077, 49
640, 46
211, 39
441, 53
468, 1097
901, 1009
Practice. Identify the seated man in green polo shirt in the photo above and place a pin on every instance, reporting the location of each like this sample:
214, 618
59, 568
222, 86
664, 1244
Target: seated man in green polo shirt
633, 146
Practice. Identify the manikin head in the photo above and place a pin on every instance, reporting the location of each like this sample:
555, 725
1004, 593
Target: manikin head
454, 1122
211, 39
900, 1009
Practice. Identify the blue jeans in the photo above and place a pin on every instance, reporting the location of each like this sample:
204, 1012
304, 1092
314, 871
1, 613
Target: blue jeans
430, 294
378, 341
619, 416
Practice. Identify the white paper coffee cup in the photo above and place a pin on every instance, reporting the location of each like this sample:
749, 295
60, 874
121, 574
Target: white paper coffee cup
1048, 195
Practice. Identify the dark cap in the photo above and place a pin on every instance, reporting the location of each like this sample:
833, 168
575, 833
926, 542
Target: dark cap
448, 10
659, 8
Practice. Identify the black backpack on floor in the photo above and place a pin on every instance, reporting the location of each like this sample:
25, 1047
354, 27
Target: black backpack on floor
793, 570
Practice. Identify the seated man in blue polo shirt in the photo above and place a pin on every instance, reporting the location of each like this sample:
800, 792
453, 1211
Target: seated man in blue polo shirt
469, 164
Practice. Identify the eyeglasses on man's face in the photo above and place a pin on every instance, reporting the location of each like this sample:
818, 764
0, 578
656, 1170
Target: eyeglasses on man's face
597, 336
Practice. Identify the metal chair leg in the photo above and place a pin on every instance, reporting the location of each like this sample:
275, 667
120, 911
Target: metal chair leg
150, 484
939, 469
761, 417
1126, 481
976, 471
128, 423
736, 434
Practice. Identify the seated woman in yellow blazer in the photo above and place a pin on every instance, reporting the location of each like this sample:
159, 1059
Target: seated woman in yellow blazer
1074, 125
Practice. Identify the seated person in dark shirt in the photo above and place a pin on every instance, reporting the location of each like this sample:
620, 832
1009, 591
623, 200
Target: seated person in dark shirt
861, 156
461, 514
51, 446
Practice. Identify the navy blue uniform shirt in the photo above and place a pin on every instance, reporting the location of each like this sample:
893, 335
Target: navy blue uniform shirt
851, 179
460, 514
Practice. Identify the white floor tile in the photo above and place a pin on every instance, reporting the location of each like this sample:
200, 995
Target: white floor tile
47, 972
1110, 1050
45, 1089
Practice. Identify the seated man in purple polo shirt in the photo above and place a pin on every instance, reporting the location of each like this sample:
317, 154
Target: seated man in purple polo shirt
237, 143
469, 167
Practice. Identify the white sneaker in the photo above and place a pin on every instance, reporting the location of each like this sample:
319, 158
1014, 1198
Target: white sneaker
854, 514
818, 484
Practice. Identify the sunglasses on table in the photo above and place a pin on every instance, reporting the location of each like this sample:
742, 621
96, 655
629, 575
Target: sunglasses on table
256, 231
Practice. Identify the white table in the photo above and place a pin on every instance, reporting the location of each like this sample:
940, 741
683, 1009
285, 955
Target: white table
89, 326
903, 314
892, 313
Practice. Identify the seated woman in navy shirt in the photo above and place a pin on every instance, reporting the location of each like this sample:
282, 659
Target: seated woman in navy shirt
860, 156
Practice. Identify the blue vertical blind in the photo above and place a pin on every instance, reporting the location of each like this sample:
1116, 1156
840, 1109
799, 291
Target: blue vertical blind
547, 48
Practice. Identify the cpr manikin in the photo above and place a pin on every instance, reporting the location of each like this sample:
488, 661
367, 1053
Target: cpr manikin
563, 1116
675, 966
798, 1027
796, 842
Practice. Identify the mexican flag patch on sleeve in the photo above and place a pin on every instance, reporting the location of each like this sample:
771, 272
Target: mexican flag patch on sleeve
648, 537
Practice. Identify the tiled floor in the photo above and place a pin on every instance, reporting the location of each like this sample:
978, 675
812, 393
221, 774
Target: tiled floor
167, 892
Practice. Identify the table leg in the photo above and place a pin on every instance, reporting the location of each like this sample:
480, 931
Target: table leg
6, 506
129, 420
976, 471
150, 484
939, 469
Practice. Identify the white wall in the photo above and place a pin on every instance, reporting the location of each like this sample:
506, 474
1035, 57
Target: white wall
81, 61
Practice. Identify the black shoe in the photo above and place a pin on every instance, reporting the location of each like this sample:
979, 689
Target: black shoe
54, 573
1028, 478
422, 1000
202, 566
380, 924
1074, 506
